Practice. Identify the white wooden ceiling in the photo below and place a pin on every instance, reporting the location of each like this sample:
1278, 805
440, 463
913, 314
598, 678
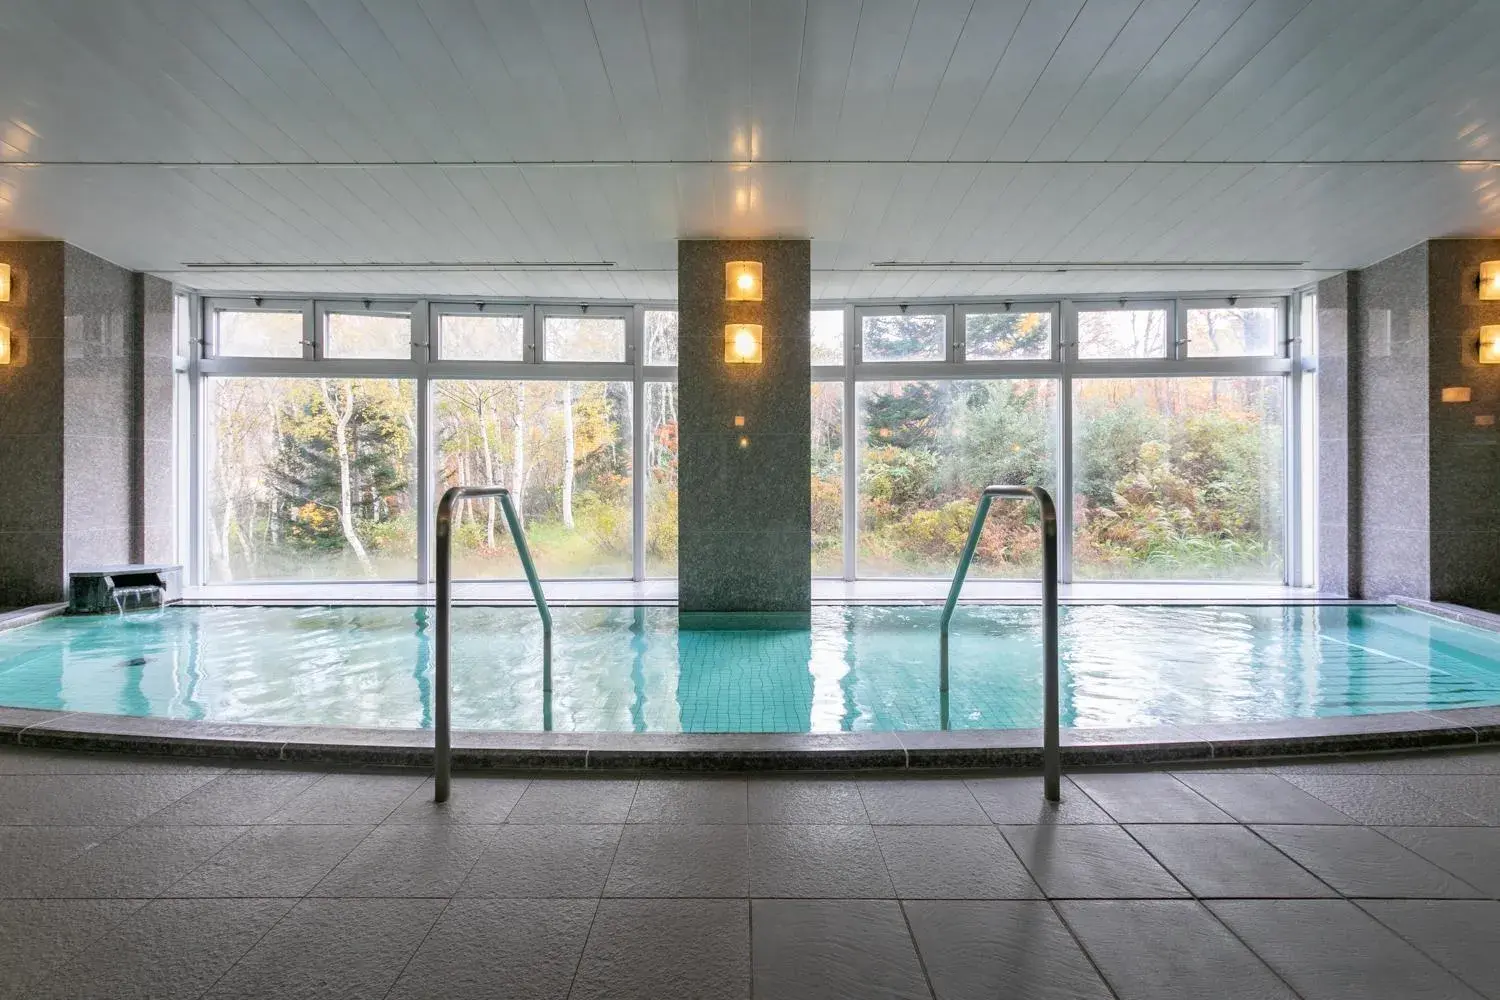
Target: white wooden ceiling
1329, 133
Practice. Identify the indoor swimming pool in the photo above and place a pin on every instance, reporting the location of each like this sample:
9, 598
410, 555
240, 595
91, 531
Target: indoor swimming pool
624, 669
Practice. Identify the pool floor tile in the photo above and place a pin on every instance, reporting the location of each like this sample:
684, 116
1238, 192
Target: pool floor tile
1090, 862
810, 862
1358, 861
1261, 798
483, 948
713, 800
575, 800
545, 861
1019, 802
925, 802
1169, 950
1470, 852
1001, 948
396, 861
666, 949
1212, 860
1457, 934
1331, 950
332, 949
794, 800
1148, 797
833, 949
681, 860
953, 862
272, 861
169, 949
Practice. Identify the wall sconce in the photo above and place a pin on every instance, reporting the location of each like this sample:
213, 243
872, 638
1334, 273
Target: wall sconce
4, 345
4, 282
1489, 280
1489, 345
742, 344
742, 281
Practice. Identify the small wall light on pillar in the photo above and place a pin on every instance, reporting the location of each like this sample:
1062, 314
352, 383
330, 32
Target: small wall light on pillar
4, 282
742, 281
1489, 345
1489, 279
742, 344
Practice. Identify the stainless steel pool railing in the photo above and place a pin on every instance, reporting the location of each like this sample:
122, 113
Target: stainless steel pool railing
442, 736
1051, 749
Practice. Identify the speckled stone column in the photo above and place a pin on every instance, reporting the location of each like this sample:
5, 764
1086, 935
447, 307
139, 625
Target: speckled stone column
744, 521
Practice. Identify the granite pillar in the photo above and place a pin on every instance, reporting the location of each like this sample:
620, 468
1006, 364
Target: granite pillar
744, 532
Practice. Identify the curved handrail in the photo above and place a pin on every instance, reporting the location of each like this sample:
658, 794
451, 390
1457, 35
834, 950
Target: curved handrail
442, 743
1051, 751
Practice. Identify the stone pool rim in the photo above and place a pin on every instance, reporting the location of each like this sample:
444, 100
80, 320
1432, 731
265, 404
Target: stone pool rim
913, 751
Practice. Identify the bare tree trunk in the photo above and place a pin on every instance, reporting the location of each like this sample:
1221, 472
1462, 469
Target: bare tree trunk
489, 472
341, 418
568, 450
518, 464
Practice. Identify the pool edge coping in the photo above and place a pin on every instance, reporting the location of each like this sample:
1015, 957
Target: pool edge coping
912, 751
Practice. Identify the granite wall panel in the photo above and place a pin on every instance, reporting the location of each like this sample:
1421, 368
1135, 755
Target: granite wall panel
744, 534
31, 426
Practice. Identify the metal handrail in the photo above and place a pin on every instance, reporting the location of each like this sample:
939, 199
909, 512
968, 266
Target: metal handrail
442, 740
1051, 751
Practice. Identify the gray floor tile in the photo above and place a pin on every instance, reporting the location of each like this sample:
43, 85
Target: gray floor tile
549, 861
574, 800
666, 949
1459, 935
1330, 950
1360, 862
484, 949
931, 801
1093, 862
680, 860
953, 862
690, 800
428, 860
332, 949
817, 862
234, 799
1017, 949
1261, 798
858, 948
1212, 859
91, 799
346, 799
272, 861
1019, 802
1169, 950
1476, 795
40, 936
471, 800
1470, 852
168, 949
1380, 801
26, 852
774, 800
1148, 797
140, 862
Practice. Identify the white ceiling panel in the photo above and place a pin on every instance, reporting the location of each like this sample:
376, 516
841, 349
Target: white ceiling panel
323, 133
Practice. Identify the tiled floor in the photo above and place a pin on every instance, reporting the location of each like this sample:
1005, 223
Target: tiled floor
1361, 878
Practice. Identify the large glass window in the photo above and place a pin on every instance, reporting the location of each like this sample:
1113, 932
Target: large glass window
661, 479
562, 449
1178, 478
927, 449
828, 479
310, 478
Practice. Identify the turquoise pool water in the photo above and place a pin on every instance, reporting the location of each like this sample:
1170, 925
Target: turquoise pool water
858, 668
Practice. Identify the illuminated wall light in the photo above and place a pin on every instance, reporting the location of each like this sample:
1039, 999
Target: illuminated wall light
742, 344
1457, 394
1489, 279
4, 282
1489, 345
4, 345
742, 281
